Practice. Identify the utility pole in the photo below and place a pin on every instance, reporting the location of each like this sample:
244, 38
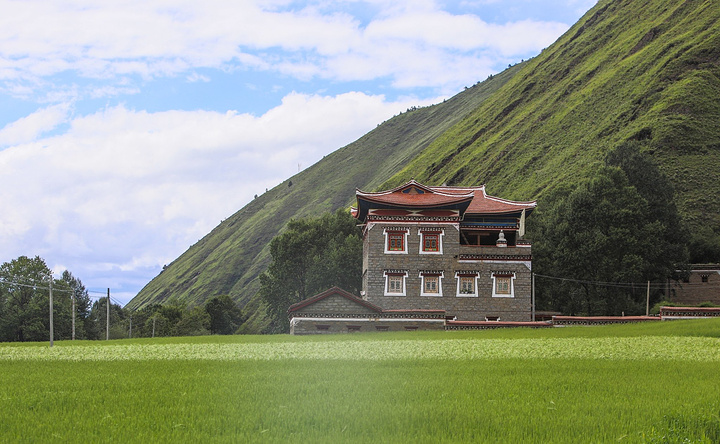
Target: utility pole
73, 314
647, 301
153, 333
107, 328
533, 293
52, 333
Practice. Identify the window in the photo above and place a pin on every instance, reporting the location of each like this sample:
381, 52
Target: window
466, 284
503, 284
704, 277
430, 240
395, 282
353, 328
431, 283
396, 240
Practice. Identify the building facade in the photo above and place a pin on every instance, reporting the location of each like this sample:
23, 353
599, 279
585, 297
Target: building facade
702, 285
455, 249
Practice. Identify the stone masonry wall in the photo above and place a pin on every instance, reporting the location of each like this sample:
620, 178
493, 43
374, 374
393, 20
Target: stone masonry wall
361, 325
376, 261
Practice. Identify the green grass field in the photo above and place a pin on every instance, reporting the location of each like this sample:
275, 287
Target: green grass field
656, 382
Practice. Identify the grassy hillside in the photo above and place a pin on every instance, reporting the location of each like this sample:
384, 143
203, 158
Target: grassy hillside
644, 70
228, 259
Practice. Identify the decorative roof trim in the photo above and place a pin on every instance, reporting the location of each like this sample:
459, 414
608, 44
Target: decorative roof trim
413, 183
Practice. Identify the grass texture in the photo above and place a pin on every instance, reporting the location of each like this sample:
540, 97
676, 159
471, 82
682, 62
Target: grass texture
636, 383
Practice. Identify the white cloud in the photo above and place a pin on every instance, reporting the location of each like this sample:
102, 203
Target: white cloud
30, 127
114, 38
129, 190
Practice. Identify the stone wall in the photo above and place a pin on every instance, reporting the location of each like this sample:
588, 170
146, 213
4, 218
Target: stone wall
696, 291
455, 258
313, 326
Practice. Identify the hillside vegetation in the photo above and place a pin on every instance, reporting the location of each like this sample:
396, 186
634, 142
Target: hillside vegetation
645, 70
628, 70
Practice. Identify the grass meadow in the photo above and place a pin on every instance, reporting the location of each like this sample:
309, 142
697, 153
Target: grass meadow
657, 382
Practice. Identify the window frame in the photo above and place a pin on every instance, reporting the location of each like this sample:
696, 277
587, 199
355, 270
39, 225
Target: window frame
496, 276
435, 232
392, 274
433, 274
459, 276
388, 232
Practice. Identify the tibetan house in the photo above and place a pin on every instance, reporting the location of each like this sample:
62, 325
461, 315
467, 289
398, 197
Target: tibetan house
454, 251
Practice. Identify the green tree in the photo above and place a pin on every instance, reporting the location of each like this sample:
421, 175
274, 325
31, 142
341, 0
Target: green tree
25, 304
225, 315
194, 322
612, 230
98, 320
82, 303
312, 255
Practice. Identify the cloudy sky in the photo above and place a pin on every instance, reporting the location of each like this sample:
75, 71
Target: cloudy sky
130, 128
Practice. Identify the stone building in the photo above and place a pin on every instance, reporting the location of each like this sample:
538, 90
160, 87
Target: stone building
446, 248
702, 285
431, 255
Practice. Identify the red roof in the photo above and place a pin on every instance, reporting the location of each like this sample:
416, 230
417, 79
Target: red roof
470, 200
483, 203
414, 194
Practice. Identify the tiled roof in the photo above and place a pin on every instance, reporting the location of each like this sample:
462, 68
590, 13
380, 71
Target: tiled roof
471, 200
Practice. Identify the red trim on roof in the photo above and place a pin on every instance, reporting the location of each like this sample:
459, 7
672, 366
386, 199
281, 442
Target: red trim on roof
433, 196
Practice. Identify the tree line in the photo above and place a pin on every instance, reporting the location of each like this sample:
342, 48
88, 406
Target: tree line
25, 316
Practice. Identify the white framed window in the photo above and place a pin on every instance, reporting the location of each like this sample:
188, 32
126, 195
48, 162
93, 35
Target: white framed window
466, 284
395, 240
395, 283
431, 240
503, 284
431, 283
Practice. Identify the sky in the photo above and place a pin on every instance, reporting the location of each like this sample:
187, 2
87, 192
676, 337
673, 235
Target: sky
129, 129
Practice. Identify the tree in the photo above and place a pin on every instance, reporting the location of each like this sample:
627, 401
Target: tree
225, 315
98, 320
611, 229
194, 322
82, 303
25, 304
312, 255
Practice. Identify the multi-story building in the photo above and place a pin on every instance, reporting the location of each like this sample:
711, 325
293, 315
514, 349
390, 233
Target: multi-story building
433, 257
446, 248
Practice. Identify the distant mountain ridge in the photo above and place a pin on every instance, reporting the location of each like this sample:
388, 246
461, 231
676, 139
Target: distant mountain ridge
628, 70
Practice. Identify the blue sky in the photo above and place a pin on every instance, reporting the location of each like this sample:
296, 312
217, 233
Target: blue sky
129, 129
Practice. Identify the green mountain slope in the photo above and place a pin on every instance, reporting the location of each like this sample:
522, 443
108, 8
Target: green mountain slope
645, 70
228, 259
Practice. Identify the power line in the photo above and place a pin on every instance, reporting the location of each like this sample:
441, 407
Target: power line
603, 284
